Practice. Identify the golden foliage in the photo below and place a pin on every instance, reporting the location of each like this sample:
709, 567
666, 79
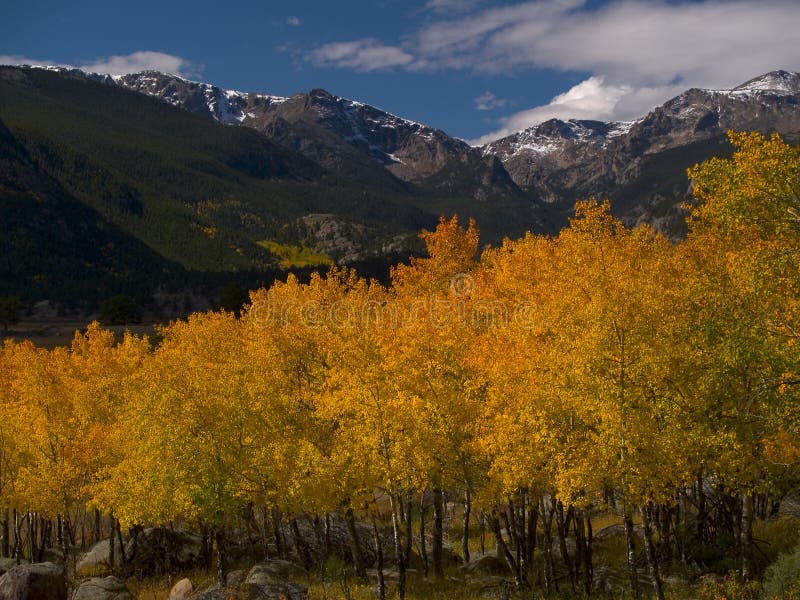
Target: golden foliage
600, 358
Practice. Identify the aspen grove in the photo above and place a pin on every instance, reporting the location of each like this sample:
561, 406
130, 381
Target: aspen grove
534, 386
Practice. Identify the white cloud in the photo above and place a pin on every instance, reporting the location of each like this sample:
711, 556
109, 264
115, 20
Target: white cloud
640, 52
635, 54
141, 61
590, 99
488, 101
360, 55
293, 21
16, 59
644, 40
144, 60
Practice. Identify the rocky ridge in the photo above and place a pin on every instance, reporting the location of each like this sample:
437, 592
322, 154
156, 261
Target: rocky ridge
555, 162
640, 165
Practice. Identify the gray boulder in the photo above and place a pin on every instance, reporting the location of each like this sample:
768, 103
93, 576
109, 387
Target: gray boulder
275, 570
213, 593
340, 543
155, 548
38, 581
150, 553
450, 558
284, 590
6, 564
278, 591
267, 581
235, 579
103, 588
95, 560
488, 564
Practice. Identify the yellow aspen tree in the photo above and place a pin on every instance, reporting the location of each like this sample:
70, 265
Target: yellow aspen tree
187, 424
288, 347
744, 243
438, 299
12, 444
381, 426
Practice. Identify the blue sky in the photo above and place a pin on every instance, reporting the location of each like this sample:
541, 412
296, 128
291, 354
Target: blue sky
474, 68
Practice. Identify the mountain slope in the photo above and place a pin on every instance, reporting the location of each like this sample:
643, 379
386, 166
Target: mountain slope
346, 136
201, 196
135, 182
165, 176
54, 246
641, 165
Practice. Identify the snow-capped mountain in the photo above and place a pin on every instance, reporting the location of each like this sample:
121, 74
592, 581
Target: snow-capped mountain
776, 82
344, 135
766, 102
641, 165
555, 134
226, 106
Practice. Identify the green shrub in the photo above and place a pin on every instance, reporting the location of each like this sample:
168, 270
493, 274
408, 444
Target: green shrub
783, 576
233, 298
730, 589
781, 536
120, 310
10, 311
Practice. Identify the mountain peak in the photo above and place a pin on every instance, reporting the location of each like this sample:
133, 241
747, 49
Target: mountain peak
778, 82
320, 93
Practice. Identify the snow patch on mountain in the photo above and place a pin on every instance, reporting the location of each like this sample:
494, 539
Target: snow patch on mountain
619, 128
554, 135
782, 83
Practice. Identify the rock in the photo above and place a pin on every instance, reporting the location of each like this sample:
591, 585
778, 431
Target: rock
181, 590
108, 588
95, 560
6, 564
235, 579
284, 590
39, 581
53, 555
790, 505
340, 540
488, 564
213, 593
267, 581
275, 570
280, 590
147, 553
241, 549
609, 531
450, 558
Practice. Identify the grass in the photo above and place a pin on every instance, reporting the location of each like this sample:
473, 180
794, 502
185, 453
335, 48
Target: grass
338, 588
158, 588
295, 256
336, 581
775, 537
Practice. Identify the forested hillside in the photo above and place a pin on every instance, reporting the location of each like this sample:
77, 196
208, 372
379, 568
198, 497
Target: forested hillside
167, 198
